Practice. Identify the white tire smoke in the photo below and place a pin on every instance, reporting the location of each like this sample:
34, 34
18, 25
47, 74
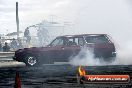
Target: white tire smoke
86, 58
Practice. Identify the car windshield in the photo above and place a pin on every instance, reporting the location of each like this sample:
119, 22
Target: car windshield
96, 39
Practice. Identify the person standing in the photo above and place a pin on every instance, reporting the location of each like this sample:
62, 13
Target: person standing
27, 35
6, 47
0, 46
26, 32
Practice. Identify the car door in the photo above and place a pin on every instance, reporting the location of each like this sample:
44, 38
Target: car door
73, 47
57, 48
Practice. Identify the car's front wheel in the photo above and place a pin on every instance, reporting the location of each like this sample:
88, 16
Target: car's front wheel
31, 60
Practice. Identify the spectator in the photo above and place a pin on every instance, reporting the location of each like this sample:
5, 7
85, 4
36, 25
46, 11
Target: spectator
14, 44
26, 32
0, 39
0, 46
6, 47
27, 35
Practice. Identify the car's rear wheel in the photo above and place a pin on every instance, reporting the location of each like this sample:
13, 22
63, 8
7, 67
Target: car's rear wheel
31, 60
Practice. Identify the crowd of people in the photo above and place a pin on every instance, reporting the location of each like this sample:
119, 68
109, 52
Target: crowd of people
12, 46
15, 43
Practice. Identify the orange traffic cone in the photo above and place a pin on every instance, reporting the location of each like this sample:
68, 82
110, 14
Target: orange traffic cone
17, 81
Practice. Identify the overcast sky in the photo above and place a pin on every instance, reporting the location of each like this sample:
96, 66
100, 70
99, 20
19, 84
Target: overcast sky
89, 16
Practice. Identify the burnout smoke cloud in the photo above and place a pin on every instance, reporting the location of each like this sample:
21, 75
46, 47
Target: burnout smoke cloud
86, 57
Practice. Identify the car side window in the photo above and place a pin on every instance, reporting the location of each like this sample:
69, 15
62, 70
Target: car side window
57, 41
75, 41
71, 41
97, 39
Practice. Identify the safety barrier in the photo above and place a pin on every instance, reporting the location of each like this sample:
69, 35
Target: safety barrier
6, 55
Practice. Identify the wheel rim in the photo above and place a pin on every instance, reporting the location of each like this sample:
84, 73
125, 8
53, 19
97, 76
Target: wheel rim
32, 61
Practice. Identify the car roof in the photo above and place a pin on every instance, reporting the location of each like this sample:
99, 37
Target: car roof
81, 35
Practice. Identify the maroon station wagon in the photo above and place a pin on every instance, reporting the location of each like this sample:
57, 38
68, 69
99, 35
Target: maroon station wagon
63, 47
